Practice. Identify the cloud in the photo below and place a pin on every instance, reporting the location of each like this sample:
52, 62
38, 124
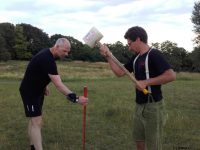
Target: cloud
163, 19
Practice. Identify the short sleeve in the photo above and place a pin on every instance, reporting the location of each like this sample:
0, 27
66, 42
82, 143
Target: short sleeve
158, 62
49, 66
129, 65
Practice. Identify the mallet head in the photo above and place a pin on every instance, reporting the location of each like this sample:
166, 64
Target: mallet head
92, 37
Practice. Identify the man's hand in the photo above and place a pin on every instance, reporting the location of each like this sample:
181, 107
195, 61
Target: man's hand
141, 85
46, 92
104, 50
82, 100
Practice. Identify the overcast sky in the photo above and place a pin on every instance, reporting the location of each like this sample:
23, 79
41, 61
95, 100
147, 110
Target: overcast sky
162, 19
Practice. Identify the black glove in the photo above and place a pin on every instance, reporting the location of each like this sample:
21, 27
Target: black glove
72, 97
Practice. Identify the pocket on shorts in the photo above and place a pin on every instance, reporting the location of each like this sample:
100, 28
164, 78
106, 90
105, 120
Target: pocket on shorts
154, 107
156, 110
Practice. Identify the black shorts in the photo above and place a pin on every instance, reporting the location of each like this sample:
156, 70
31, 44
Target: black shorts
32, 104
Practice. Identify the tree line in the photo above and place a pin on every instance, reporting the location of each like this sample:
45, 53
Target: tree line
23, 41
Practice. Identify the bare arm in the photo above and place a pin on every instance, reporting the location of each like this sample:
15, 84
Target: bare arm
46, 93
59, 84
64, 89
104, 50
168, 76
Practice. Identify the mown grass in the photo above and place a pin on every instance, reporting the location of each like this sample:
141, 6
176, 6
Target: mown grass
109, 112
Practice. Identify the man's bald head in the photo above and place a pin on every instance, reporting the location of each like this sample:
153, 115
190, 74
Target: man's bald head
62, 47
61, 42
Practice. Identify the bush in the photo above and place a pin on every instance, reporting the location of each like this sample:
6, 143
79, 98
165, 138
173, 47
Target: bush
4, 55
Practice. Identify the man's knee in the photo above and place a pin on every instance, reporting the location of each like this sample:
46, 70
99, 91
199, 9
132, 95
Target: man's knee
36, 121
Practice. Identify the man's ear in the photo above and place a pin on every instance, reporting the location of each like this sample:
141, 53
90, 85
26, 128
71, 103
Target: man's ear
56, 46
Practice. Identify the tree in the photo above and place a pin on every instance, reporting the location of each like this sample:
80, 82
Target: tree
176, 56
168, 48
7, 31
36, 38
156, 45
21, 44
196, 21
195, 57
4, 54
120, 51
195, 54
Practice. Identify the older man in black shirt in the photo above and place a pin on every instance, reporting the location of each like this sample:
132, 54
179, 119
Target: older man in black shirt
40, 72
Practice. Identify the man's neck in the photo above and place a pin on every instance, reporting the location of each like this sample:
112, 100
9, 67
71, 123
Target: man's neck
52, 50
144, 48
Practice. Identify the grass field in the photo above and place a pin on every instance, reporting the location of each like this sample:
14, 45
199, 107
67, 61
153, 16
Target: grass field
109, 112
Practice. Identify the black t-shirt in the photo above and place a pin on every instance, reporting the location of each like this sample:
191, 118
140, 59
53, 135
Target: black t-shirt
157, 65
36, 76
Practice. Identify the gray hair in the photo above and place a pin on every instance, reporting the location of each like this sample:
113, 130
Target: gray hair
62, 42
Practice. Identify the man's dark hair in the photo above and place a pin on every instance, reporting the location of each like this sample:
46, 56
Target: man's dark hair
136, 32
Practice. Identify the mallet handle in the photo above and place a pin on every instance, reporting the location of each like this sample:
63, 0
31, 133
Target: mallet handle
145, 91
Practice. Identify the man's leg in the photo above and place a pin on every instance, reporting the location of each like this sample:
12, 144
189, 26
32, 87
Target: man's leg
155, 120
29, 134
138, 128
35, 132
33, 107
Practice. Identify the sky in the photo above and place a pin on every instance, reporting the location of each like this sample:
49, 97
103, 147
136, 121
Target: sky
162, 19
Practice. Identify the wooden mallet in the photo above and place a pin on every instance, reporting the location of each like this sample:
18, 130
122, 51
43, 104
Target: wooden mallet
92, 39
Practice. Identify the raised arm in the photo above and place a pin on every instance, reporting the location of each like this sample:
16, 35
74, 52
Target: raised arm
104, 51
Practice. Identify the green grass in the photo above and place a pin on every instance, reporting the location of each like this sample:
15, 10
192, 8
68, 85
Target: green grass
109, 112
